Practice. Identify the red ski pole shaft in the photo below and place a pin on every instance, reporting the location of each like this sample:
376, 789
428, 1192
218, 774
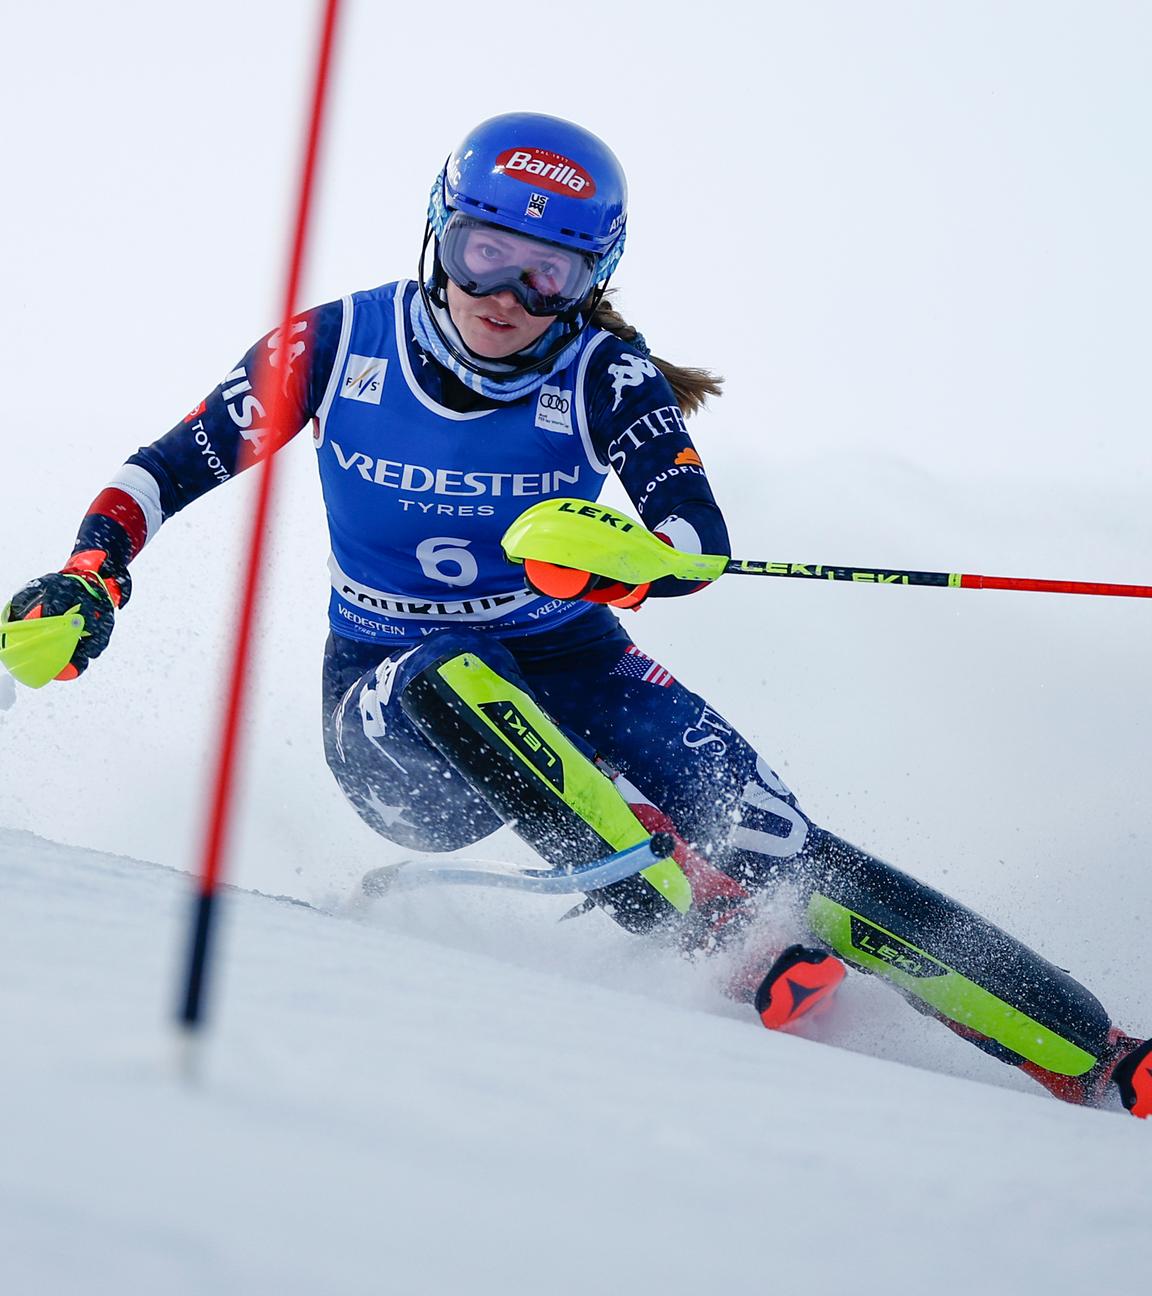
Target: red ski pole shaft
274, 400
948, 580
1055, 586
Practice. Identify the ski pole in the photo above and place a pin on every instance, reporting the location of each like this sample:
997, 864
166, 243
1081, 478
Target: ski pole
949, 580
563, 879
592, 537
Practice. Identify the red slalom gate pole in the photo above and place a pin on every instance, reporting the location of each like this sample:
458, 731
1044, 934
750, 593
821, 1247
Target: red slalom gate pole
275, 402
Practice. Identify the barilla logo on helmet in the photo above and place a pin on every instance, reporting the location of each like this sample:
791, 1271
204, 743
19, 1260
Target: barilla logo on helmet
547, 170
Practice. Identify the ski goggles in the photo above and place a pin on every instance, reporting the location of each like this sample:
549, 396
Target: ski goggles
483, 259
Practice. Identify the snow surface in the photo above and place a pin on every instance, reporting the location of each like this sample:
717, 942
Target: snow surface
421, 1101
914, 238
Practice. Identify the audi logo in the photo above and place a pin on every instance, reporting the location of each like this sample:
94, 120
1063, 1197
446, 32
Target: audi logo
549, 401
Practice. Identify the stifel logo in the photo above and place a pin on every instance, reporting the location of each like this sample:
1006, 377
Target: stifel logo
689, 456
544, 169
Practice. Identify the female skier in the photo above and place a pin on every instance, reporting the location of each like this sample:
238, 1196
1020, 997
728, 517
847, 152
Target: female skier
461, 692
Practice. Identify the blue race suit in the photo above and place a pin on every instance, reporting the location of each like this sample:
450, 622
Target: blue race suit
421, 477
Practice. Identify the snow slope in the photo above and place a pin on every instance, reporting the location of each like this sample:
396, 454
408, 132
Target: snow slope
387, 1111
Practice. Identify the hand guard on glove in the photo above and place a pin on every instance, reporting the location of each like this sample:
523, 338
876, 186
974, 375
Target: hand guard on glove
95, 594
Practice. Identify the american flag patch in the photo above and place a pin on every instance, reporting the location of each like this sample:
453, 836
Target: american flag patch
639, 666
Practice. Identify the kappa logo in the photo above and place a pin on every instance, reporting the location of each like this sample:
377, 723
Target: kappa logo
287, 356
630, 372
364, 379
371, 703
386, 676
554, 410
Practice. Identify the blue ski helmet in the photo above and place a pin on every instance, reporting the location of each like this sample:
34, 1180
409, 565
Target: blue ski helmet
540, 176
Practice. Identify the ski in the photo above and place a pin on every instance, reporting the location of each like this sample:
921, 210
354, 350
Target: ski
564, 879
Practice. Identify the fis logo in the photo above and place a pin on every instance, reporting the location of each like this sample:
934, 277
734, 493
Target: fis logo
554, 410
518, 733
364, 379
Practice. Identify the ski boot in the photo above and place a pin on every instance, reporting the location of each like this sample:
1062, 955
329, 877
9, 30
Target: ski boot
720, 905
800, 982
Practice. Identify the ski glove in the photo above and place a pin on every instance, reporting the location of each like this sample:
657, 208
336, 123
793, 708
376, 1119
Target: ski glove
95, 594
573, 583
